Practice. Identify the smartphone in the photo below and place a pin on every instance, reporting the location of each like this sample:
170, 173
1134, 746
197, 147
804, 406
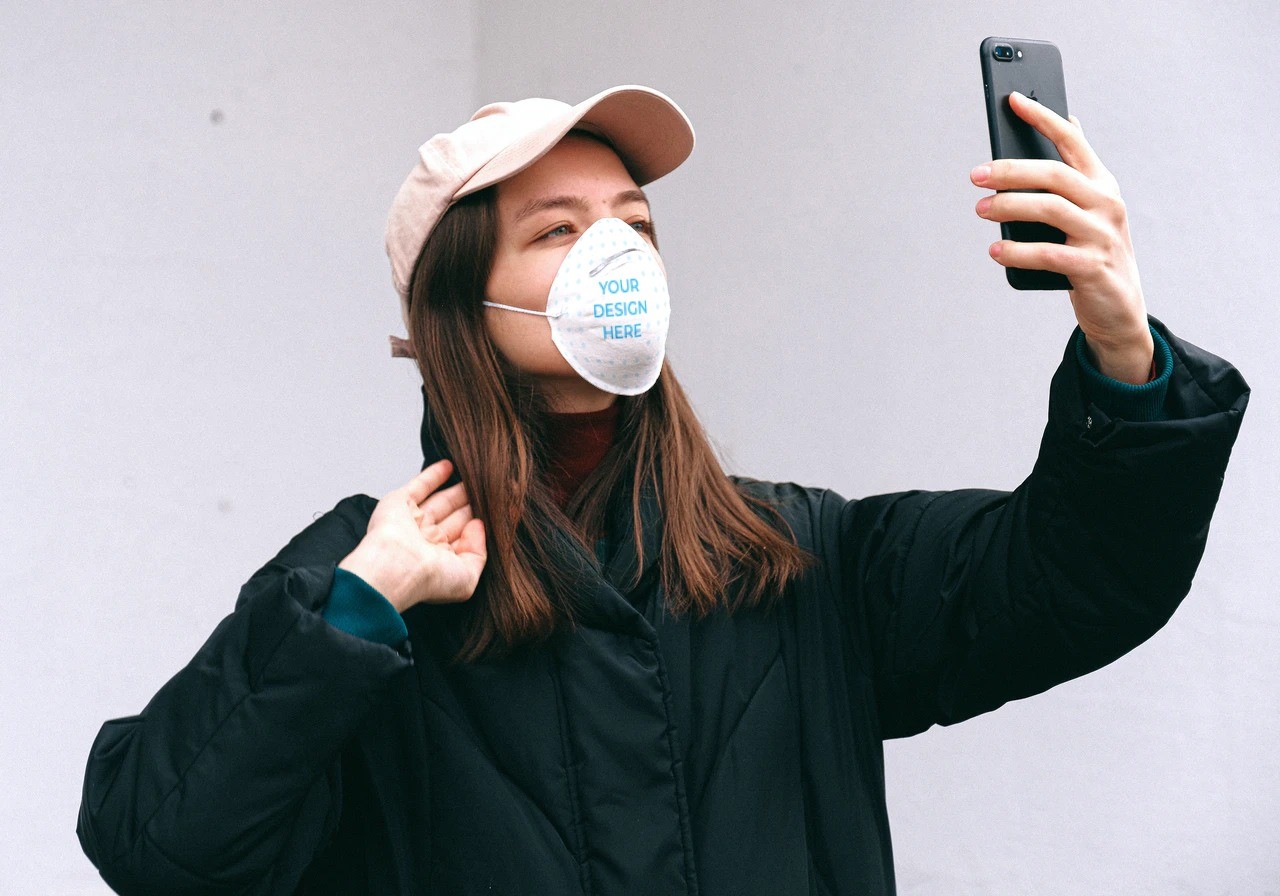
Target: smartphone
1034, 69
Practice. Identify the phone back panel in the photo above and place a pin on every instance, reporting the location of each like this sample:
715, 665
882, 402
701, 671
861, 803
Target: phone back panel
1036, 74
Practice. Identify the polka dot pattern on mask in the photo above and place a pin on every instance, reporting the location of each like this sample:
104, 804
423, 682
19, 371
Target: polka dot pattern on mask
611, 327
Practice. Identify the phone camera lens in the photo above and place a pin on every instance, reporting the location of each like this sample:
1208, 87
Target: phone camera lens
1002, 51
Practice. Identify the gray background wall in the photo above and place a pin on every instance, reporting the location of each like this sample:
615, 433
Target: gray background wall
196, 302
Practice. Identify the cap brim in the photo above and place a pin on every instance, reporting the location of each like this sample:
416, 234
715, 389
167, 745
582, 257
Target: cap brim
650, 133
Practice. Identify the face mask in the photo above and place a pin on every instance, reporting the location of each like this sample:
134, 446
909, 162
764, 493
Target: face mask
609, 309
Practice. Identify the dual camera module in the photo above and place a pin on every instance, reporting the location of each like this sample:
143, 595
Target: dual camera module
1004, 52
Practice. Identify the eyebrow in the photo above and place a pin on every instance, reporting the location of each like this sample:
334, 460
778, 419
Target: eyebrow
579, 203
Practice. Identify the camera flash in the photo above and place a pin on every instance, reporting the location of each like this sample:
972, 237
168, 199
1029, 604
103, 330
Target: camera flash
1019, 54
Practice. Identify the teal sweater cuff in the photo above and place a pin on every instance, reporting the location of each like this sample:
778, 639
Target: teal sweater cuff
1127, 401
357, 607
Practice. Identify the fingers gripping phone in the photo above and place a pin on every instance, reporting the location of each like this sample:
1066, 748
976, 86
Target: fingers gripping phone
1034, 69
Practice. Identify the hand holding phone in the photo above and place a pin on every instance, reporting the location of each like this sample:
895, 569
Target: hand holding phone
1038, 149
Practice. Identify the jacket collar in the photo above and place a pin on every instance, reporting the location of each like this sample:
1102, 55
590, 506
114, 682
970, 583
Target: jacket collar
603, 599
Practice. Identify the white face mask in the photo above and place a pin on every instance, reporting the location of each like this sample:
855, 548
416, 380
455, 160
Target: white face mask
609, 309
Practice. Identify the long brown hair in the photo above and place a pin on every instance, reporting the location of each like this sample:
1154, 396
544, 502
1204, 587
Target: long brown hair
491, 416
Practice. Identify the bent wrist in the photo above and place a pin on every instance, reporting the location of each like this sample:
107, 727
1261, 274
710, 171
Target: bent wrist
377, 565
1132, 362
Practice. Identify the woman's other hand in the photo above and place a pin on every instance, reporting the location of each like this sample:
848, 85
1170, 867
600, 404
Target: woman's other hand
422, 545
1082, 200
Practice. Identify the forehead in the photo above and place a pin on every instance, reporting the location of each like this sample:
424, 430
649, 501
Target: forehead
577, 165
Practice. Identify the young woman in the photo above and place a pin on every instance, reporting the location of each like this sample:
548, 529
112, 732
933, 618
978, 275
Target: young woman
573, 654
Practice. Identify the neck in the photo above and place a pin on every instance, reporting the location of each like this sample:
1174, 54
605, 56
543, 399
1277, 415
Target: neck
578, 440
576, 396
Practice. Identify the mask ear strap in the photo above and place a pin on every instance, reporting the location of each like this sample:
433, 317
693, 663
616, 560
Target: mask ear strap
521, 310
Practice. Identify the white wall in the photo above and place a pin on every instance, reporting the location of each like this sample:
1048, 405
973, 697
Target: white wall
830, 280
196, 315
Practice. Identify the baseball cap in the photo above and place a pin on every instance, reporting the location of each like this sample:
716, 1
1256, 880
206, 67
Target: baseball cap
648, 131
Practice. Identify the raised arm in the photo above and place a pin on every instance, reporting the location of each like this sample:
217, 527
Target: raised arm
959, 601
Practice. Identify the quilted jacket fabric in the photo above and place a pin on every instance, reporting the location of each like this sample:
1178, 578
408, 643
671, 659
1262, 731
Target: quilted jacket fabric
643, 754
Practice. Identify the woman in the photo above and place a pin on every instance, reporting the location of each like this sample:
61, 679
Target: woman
573, 655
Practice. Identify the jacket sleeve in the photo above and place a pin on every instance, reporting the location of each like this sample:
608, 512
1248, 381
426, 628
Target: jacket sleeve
1144, 401
357, 607
229, 780
960, 601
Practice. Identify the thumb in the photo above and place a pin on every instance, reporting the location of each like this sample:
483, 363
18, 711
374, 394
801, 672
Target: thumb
472, 540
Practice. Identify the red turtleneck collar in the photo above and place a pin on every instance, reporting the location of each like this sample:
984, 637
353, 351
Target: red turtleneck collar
579, 440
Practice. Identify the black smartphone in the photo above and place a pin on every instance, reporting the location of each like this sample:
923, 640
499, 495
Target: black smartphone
1034, 69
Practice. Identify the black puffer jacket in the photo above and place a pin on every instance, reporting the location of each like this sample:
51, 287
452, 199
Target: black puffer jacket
644, 754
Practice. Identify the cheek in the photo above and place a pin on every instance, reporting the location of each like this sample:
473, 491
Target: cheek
658, 258
525, 341
524, 279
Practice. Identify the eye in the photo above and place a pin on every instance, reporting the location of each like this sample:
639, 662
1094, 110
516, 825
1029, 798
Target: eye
552, 231
646, 226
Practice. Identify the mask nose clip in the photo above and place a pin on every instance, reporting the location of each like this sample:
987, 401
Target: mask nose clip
595, 271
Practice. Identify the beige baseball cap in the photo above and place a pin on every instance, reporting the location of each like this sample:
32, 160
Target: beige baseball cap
650, 133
